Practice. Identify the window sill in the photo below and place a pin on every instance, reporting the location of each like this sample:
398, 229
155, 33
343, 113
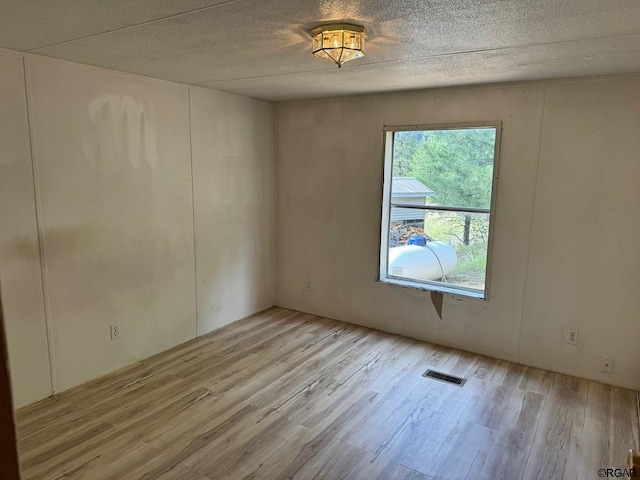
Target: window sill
435, 287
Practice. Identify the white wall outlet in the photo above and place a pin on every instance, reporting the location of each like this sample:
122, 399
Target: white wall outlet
571, 336
606, 365
115, 331
307, 285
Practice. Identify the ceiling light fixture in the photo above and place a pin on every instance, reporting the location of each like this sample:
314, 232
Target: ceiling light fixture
338, 42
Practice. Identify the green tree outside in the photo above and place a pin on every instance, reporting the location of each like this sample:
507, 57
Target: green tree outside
456, 164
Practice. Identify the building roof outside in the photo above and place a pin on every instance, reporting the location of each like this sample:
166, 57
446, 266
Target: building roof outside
409, 186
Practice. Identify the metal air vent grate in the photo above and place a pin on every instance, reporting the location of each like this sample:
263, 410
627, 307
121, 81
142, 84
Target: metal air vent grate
443, 377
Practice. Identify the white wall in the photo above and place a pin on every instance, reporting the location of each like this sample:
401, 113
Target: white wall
233, 189
113, 179
565, 240
584, 267
20, 274
112, 158
117, 208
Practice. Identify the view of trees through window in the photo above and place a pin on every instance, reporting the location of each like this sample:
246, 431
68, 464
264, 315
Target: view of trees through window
440, 200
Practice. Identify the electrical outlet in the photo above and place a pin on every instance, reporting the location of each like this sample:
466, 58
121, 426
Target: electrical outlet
308, 286
571, 336
606, 365
115, 331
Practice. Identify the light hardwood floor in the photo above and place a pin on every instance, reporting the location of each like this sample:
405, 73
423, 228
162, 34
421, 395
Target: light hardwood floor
290, 395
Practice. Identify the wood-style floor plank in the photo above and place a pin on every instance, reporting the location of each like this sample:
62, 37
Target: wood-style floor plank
285, 394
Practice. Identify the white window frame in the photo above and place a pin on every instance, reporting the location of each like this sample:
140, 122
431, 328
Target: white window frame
383, 274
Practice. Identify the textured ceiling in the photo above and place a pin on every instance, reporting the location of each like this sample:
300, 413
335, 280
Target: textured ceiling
261, 48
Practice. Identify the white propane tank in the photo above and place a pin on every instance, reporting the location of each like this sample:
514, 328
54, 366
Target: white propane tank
431, 262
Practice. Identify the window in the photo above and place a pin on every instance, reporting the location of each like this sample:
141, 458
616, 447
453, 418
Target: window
437, 209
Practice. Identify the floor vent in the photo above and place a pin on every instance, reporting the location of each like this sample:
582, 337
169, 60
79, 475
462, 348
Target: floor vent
443, 377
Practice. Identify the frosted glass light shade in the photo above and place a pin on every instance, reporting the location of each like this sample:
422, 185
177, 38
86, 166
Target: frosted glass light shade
338, 42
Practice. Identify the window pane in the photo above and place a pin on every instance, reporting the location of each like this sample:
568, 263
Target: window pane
445, 247
452, 168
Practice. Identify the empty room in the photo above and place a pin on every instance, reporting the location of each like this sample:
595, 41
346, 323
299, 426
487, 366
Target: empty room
304, 239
